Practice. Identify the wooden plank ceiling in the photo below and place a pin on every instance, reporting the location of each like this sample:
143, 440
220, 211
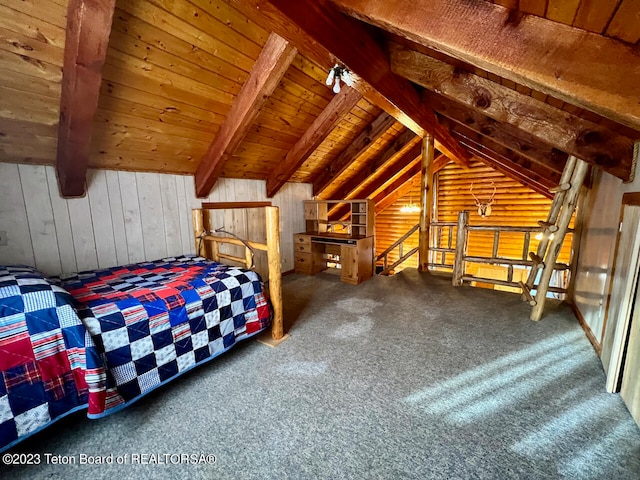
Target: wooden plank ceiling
236, 88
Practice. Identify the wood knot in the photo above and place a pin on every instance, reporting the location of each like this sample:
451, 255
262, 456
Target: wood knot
589, 137
482, 100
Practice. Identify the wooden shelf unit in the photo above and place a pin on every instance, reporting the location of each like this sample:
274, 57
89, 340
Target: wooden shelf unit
351, 239
359, 222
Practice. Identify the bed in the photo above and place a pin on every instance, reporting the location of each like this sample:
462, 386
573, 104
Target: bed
100, 340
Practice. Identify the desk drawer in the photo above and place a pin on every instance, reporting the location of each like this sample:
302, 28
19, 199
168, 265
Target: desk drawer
302, 239
302, 247
303, 263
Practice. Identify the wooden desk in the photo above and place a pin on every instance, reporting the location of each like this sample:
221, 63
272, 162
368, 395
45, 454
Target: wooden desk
356, 254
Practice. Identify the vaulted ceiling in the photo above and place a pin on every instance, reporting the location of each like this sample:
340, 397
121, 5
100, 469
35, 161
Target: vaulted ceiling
236, 88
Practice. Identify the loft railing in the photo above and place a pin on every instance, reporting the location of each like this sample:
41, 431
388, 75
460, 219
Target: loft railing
402, 256
462, 258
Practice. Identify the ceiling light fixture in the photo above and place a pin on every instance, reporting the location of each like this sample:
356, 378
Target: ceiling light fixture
339, 73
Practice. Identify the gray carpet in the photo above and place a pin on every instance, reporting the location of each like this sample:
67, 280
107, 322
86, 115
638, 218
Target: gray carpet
400, 377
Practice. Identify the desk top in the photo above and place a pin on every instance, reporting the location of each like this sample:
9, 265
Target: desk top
337, 236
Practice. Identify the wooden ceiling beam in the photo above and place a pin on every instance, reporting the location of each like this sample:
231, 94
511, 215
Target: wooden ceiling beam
579, 67
385, 175
357, 147
87, 37
562, 130
406, 145
338, 107
272, 63
511, 169
392, 186
462, 118
389, 196
522, 166
316, 25
466, 135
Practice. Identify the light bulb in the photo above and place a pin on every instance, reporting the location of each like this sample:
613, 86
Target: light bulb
347, 78
336, 86
332, 74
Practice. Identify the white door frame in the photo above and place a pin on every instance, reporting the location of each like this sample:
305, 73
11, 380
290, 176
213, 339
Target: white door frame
623, 288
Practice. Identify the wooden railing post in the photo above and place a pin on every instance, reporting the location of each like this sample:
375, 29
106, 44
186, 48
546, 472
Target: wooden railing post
426, 201
461, 248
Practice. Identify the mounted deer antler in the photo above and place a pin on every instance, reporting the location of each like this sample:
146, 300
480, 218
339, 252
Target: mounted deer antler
484, 208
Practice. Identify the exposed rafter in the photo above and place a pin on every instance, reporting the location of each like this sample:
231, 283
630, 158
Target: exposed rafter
466, 135
464, 119
359, 145
408, 159
86, 41
507, 167
318, 28
407, 144
271, 65
389, 196
562, 130
338, 107
385, 202
538, 53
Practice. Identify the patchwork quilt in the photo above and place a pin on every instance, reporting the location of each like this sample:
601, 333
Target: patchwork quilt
42, 354
102, 339
150, 322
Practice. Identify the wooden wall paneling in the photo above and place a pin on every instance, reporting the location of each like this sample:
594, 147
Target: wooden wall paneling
30, 48
150, 201
186, 242
132, 217
62, 222
117, 217
39, 211
170, 215
534, 7
84, 243
34, 68
98, 194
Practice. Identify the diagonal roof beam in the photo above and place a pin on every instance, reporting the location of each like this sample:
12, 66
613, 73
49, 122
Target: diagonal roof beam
317, 28
562, 130
408, 159
466, 135
391, 195
358, 146
536, 52
338, 107
530, 175
465, 119
272, 63
406, 144
507, 167
87, 38
384, 201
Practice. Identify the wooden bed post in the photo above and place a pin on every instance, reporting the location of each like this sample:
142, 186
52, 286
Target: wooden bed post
198, 227
275, 270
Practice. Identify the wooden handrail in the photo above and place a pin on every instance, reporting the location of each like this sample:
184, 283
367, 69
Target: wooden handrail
400, 260
398, 242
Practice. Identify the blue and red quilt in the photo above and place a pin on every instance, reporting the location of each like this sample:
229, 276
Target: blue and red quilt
104, 338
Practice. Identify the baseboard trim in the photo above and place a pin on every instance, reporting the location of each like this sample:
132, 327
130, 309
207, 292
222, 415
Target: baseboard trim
594, 343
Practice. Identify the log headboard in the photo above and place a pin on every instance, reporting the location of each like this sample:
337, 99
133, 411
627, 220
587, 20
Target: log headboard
208, 244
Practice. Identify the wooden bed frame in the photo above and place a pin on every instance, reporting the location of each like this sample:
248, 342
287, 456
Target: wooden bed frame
272, 247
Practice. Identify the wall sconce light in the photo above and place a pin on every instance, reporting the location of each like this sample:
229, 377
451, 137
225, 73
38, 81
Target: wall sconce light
339, 73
